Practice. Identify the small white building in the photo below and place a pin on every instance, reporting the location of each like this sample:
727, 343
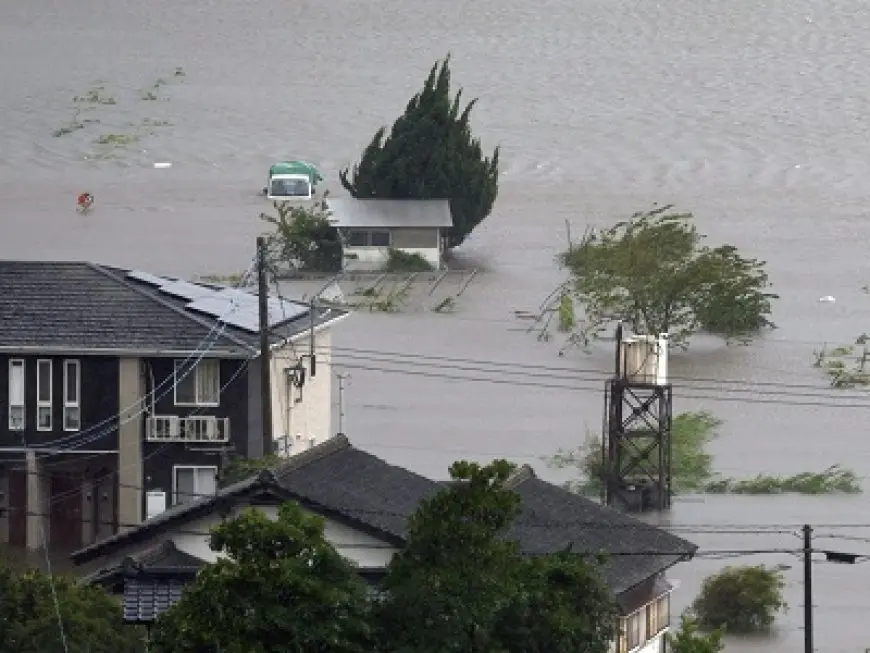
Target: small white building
371, 228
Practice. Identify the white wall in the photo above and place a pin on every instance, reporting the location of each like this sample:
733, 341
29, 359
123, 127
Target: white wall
654, 645
364, 550
369, 258
300, 415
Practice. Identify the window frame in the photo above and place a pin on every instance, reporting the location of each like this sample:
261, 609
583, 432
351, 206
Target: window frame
194, 469
368, 237
74, 404
634, 635
15, 364
193, 374
42, 404
663, 615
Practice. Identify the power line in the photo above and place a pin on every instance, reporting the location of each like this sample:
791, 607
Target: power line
140, 406
116, 472
576, 388
566, 373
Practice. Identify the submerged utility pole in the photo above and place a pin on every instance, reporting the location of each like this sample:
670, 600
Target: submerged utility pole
265, 346
808, 589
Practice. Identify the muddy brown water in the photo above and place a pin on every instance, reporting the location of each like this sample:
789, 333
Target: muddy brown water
754, 115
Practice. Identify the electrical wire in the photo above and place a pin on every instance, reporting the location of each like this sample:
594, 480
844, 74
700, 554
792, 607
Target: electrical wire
61, 496
577, 388
555, 372
87, 436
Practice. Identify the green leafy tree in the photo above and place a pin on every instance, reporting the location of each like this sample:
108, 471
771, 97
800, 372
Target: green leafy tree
689, 639
431, 153
654, 273
740, 599
281, 587
460, 585
692, 465
39, 612
303, 238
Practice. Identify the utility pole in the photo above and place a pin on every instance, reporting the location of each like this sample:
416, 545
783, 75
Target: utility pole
341, 378
265, 346
808, 588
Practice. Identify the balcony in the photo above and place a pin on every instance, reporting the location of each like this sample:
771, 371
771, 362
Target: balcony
201, 429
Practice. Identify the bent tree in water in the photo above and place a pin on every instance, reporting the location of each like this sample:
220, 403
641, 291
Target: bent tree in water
654, 273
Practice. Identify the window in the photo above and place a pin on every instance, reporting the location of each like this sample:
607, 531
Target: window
663, 612
622, 643
16, 395
652, 619
43, 395
370, 238
635, 632
199, 386
191, 483
72, 396
380, 238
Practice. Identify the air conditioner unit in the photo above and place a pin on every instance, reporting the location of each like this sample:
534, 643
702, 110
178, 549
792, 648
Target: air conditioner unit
155, 503
172, 426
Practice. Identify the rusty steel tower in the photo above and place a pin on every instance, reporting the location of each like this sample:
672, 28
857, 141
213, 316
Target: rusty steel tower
636, 444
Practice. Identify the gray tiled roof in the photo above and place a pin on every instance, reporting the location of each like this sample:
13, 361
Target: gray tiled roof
147, 597
372, 213
554, 519
78, 307
343, 481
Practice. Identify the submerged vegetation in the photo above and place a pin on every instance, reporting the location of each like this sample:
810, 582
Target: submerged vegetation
90, 106
399, 261
740, 600
692, 466
654, 273
430, 152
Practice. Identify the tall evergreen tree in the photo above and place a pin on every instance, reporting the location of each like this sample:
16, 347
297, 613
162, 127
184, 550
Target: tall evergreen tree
431, 153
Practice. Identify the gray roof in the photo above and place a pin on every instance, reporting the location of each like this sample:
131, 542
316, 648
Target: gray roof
82, 308
343, 482
372, 213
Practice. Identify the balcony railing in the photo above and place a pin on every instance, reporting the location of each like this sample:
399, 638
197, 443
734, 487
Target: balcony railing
199, 429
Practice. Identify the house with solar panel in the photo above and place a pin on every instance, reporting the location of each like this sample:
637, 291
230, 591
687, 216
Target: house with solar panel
123, 393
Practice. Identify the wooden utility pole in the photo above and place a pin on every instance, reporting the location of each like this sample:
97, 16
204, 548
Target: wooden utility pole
265, 346
808, 589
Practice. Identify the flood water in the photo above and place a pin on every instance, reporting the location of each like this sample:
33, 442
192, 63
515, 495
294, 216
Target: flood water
754, 115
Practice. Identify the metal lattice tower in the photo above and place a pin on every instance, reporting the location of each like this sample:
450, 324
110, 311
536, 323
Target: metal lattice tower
636, 444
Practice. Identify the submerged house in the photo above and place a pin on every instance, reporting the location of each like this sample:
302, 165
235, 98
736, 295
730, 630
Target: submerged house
365, 503
123, 392
371, 228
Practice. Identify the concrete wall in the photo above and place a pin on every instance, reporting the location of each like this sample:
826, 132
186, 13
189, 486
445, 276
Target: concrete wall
375, 258
411, 238
299, 414
131, 390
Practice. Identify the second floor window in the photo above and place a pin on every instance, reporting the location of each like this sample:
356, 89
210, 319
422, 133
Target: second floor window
197, 386
72, 396
16, 395
43, 395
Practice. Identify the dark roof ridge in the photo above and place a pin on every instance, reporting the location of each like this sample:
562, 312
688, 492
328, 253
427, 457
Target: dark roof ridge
112, 274
519, 476
338, 442
154, 552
